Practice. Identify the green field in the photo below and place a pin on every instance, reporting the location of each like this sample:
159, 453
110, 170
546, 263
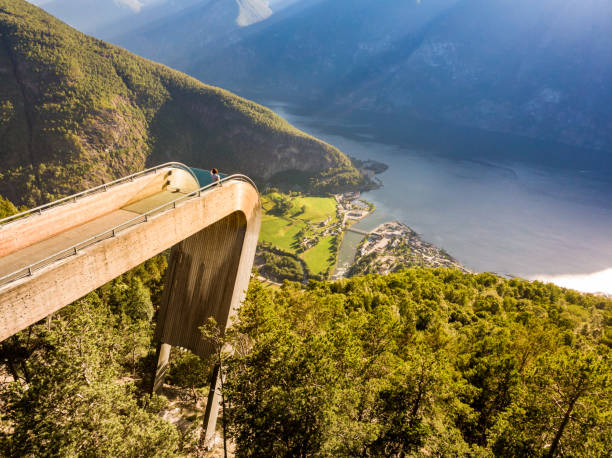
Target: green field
280, 231
314, 209
318, 257
304, 214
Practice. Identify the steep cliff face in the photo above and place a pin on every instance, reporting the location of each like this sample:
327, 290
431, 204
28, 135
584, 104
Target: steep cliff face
75, 111
304, 50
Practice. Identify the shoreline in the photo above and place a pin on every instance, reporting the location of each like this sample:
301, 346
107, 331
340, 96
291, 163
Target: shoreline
394, 246
394, 235
521, 223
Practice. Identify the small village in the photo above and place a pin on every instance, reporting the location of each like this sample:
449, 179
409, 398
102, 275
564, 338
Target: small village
351, 208
389, 247
393, 246
311, 234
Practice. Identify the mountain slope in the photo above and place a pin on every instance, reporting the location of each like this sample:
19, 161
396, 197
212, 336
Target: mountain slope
536, 69
75, 111
303, 49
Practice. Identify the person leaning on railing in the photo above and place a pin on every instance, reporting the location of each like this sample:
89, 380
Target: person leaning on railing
216, 178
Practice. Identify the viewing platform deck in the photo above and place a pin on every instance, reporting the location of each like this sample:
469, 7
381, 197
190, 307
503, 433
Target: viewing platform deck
67, 248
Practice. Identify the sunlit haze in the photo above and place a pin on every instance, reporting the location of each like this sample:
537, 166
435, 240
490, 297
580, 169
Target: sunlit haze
598, 282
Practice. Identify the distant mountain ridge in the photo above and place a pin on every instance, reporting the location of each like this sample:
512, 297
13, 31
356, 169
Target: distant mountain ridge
531, 69
198, 26
92, 15
75, 111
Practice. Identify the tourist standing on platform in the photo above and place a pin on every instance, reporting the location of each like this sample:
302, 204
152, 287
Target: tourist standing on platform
215, 176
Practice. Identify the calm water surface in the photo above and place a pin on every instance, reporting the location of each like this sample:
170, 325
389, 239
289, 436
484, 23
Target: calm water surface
504, 218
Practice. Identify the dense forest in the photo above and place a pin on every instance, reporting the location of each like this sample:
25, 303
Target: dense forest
426, 361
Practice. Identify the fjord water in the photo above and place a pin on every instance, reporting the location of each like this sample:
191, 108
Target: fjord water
510, 219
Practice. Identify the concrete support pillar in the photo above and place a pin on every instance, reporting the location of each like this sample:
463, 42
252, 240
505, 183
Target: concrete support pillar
163, 354
208, 275
212, 406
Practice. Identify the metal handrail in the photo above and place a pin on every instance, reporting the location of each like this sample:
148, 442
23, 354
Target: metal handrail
113, 231
102, 187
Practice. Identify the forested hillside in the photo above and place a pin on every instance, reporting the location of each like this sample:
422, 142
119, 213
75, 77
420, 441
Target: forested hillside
75, 111
428, 362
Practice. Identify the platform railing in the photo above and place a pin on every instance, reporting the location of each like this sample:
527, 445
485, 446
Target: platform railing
102, 188
73, 250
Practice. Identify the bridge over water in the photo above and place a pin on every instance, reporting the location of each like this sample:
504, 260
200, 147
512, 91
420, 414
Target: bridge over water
55, 254
357, 231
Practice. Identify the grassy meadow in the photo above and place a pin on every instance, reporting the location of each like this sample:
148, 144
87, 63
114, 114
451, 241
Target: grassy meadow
320, 258
302, 217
